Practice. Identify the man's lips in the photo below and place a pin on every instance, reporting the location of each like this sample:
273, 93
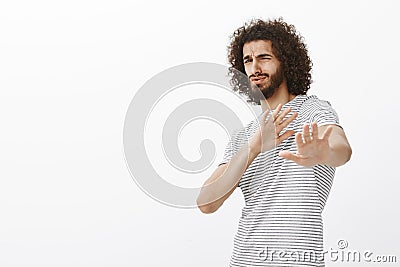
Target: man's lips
258, 80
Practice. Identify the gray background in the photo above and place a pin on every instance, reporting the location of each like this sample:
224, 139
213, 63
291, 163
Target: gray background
68, 71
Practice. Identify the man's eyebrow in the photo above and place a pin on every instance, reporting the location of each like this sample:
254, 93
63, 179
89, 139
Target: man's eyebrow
258, 56
246, 57
264, 55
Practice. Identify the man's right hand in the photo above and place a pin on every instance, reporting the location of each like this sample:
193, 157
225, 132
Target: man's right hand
268, 136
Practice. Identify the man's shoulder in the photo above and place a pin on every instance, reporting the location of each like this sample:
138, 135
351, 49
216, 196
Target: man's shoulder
318, 110
313, 102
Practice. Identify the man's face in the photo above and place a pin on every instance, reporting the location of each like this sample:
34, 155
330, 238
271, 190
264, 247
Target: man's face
262, 67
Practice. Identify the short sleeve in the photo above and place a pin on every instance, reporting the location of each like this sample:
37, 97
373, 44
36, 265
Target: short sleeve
324, 114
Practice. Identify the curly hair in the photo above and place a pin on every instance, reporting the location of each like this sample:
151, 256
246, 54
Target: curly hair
288, 46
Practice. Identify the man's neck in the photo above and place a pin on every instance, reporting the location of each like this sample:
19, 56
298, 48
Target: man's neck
281, 96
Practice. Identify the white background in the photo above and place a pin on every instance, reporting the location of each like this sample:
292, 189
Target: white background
68, 71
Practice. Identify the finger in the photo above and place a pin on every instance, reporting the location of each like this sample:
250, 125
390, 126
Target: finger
327, 133
306, 133
287, 154
291, 156
282, 116
276, 111
299, 140
287, 121
285, 136
264, 116
314, 130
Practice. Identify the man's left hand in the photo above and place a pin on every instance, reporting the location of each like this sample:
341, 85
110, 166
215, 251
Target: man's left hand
311, 149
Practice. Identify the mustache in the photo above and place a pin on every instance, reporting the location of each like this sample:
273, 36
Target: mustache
260, 75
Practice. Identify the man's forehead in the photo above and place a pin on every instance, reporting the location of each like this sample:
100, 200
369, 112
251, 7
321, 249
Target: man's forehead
257, 47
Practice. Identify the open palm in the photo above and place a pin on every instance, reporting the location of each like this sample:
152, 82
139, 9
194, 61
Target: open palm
311, 150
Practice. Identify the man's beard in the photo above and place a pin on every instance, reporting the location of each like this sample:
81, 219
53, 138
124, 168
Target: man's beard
265, 92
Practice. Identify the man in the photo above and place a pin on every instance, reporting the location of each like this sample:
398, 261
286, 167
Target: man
284, 163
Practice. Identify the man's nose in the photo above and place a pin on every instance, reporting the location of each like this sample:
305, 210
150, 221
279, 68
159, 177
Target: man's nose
255, 67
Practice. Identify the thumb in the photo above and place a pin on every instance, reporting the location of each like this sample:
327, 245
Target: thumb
287, 155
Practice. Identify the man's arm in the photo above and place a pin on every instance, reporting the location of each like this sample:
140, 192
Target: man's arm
340, 150
224, 180
226, 177
325, 145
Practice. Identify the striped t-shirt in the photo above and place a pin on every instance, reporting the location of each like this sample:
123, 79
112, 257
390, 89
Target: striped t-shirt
281, 222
